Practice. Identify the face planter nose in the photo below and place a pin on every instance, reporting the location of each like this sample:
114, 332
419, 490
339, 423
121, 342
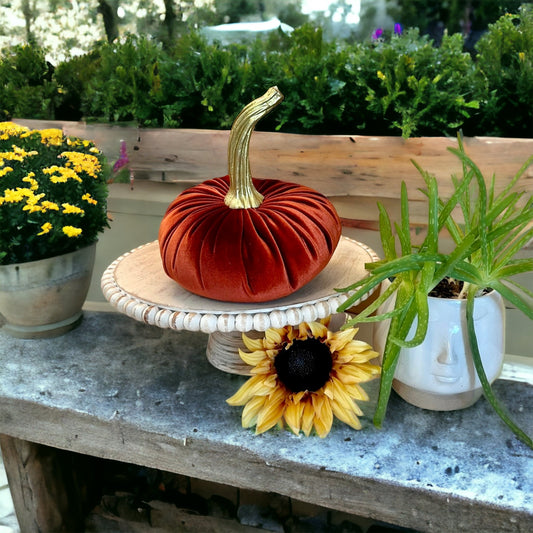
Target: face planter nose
446, 367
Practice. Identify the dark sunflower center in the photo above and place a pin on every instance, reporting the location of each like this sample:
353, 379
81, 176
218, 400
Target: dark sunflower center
305, 365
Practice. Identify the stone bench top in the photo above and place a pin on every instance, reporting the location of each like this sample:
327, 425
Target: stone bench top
119, 389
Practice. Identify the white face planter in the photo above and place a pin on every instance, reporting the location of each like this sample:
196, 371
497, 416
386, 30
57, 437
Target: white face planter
439, 374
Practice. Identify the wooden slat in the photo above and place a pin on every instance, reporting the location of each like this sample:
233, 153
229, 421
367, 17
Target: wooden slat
336, 165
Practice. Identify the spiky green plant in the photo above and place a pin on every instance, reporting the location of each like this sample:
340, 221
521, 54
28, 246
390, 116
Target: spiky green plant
492, 228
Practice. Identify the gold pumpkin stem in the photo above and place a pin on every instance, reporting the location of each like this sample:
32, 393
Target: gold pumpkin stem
242, 194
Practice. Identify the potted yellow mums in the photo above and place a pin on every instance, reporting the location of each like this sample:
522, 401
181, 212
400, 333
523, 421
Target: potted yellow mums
53, 192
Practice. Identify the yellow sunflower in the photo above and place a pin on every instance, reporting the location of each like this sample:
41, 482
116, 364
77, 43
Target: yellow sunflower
304, 376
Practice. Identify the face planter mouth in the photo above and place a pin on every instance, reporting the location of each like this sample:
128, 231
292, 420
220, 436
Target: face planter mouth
446, 379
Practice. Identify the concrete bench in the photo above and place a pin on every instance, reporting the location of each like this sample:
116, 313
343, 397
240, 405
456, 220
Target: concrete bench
118, 389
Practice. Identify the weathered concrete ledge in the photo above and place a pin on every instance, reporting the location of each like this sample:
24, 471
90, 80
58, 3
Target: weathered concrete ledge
118, 389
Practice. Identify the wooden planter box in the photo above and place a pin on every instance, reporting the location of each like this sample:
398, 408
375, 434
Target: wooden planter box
354, 171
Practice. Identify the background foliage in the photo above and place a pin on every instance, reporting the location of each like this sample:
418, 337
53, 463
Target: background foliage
396, 84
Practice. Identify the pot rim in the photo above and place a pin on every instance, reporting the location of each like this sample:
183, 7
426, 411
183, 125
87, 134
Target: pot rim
490, 292
36, 261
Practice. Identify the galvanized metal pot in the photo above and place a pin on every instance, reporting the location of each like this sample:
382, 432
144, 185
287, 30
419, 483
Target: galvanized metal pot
44, 298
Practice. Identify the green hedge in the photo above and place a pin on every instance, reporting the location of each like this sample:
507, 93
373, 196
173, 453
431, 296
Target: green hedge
401, 85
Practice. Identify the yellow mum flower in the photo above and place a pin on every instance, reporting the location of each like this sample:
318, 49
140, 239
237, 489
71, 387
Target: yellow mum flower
71, 231
83, 163
32, 204
49, 206
381, 76
17, 154
34, 184
14, 196
305, 376
45, 228
32, 208
69, 208
5, 170
61, 174
10, 129
51, 136
87, 197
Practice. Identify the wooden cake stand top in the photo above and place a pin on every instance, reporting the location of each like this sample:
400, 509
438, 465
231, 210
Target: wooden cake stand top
137, 285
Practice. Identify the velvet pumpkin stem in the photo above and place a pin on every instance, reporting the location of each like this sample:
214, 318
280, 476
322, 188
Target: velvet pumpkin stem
242, 194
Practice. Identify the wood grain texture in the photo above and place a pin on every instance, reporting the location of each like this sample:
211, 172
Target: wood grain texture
336, 165
118, 389
136, 284
48, 488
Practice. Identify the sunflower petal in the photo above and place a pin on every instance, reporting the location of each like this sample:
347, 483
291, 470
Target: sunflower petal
264, 367
357, 392
359, 350
251, 410
318, 403
318, 330
324, 422
293, 415
351, 373
255, 386
341, 394
252, 344
308, 416
272, 411
274, 338
252, 358
338, 340
346, 415
325, 321
297, 396
328, 390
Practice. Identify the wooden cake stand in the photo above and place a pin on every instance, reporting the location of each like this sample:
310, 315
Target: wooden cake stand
137, 285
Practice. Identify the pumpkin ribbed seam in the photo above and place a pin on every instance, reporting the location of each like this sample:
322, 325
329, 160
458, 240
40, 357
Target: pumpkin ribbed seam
262, 215
293, 279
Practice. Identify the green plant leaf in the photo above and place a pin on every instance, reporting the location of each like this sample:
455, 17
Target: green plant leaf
478, 364
513, 296
387, 237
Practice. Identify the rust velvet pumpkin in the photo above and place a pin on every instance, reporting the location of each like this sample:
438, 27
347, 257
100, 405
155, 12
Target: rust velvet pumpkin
241, 239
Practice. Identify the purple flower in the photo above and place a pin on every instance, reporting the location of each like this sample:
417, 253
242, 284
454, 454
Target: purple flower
398, 29
378, 32
123, 159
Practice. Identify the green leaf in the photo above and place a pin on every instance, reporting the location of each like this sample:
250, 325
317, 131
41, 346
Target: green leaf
514, 297
387, 237
478, 364
375, 305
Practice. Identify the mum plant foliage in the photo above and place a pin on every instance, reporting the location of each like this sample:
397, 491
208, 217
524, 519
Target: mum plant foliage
53, 193
488, 229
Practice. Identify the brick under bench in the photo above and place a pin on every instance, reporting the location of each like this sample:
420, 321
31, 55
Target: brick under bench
118, 389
